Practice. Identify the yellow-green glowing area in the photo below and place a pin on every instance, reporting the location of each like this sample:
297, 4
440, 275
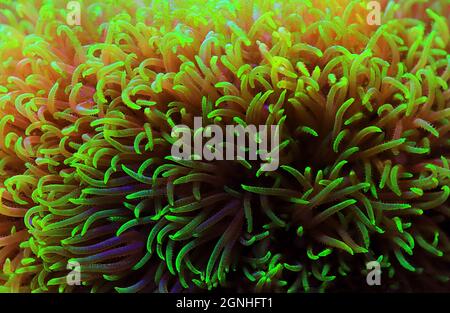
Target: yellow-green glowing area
92, 200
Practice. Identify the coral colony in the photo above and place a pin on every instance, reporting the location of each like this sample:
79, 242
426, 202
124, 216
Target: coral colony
90, 92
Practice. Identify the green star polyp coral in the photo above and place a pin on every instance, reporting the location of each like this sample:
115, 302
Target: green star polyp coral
87, 176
